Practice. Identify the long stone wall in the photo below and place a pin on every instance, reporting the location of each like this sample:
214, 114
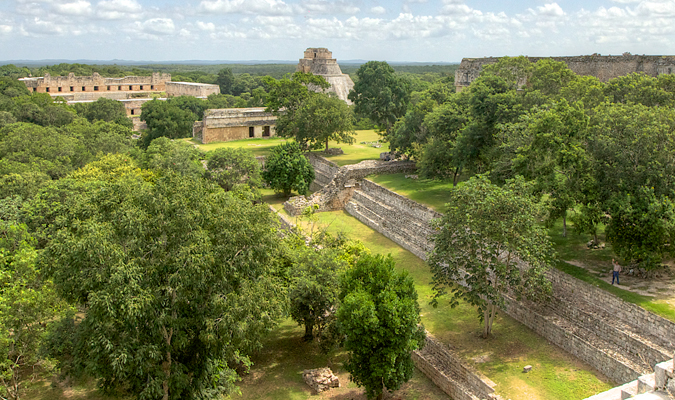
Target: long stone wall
602, 67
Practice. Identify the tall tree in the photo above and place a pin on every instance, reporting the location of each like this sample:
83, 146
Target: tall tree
179, 280
380, 94
319, 119
480, 241
380, 317
28, 303
287, 169
225, 80
166, 119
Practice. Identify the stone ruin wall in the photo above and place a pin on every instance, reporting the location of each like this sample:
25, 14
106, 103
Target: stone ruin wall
200, 90
602, 67
96, 83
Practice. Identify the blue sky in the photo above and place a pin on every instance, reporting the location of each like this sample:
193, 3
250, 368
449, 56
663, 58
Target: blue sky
395, 30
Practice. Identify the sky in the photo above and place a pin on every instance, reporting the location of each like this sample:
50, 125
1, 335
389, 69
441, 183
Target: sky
393, 30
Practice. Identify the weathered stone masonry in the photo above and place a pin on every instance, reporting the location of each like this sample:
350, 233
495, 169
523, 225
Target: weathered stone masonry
320, 61
602, 67
621, 340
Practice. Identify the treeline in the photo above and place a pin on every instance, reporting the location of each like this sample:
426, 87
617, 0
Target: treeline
598, 152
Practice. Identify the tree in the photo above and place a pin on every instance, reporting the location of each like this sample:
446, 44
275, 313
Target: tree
315, 278
319, 119
287, 169
229, 167
225, 80
166, 155
166, 119
311, 118
380, 94
105, 110
480, 241
380, 317
27, 303
179, 280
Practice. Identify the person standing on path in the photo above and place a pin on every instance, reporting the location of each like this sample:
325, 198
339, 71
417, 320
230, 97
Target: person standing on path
615, 272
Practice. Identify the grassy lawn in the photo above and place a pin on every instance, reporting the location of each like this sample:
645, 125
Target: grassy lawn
353, 153
555, 374
592, 266
259, 146
357, 152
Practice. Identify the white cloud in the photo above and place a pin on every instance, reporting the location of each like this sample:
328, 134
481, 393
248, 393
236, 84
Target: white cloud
378, 10
80, 7
39, 27
206, 26
256, 7
5, 29
158, 26
551, 10
328, 7
118, 9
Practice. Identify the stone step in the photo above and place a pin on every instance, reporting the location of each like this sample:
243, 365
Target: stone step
663, 372
646, 383
399, 234
405, 226
385, 210
459, 388
372, 220
641, 348
599, 343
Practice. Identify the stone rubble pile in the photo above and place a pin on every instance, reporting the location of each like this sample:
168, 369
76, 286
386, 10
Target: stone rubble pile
320, 379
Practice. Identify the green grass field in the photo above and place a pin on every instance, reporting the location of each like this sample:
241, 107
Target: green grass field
353, 153
555, 375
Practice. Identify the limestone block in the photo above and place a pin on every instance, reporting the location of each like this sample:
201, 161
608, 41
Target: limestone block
663, 372
320, 379
646, 383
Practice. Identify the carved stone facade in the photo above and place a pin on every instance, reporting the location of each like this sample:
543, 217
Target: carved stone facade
602, 67
73, 87
222, 125
320, 61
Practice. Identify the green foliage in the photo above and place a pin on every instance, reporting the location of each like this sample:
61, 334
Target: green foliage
179, 280
165, 119
28, 303
486, 231
642, 227
287, 169
166, 155
225, 80
380, 94
381, 320
104, 110
230, 167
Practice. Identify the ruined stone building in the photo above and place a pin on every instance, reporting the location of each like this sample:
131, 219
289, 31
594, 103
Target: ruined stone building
222, 125
602, 67
76, 88
91, 88
320, 61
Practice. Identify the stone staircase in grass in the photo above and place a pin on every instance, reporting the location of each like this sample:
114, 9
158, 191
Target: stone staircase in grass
620, 339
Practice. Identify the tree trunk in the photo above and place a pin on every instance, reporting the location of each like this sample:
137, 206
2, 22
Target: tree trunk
309, 330
565, 224
488, 319
166, 366
456, 177
326, 145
